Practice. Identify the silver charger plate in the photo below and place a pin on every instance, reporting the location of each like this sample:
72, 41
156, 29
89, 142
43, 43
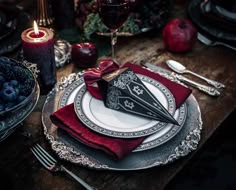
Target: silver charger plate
118, 124
165, 134
11, 121
70, 149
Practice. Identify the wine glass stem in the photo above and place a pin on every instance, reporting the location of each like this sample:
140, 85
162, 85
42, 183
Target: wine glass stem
113, 43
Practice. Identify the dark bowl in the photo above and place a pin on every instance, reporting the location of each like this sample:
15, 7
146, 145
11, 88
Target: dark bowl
12, 63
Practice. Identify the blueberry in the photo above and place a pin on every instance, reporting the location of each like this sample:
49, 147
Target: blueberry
14, 83
2, 107
6, 85
9, 105
2, 67
17, 91
9, 94
7, 70
8, 61
2, 80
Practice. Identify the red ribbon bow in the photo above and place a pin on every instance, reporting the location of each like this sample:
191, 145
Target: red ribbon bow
94, 75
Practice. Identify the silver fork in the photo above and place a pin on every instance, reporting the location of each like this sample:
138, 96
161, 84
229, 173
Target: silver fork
51, 164
210, 42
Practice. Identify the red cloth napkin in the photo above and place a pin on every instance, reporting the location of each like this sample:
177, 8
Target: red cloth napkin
66, 119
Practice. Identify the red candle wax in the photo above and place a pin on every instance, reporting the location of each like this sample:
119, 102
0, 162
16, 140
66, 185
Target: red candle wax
32, 34
39, 49
44, 36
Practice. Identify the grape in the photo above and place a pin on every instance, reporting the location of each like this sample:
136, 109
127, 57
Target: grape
84, 8
160, 10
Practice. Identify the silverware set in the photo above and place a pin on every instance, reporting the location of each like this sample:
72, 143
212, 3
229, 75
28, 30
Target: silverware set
179, 68
52, 165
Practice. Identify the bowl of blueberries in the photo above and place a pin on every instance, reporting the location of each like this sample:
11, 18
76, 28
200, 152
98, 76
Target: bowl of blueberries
17, 86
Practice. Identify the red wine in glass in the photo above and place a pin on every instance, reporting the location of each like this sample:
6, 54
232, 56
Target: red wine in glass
113, 14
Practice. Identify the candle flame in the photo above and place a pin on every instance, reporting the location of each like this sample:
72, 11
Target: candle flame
36, 30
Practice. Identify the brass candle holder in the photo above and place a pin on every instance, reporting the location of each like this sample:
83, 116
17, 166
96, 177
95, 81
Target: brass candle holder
43, 14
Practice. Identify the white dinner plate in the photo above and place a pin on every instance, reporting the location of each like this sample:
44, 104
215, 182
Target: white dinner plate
161, 136
93, 113
165, 134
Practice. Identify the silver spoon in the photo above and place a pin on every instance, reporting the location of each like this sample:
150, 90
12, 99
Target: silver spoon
179, 68
209, 42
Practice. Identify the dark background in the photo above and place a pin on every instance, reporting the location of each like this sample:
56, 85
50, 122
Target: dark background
214, 167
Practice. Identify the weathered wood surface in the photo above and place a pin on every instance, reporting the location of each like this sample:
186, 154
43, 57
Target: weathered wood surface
20, 169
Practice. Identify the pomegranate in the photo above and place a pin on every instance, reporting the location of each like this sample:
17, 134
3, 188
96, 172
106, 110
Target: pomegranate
179, 35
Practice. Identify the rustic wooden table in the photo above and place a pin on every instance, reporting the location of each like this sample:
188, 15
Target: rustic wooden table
20, 170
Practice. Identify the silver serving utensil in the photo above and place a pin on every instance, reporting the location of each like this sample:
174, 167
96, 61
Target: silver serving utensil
51, 164
179, 68
207, 89
207, 41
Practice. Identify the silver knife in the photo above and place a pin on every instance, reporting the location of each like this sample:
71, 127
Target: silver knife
207, 89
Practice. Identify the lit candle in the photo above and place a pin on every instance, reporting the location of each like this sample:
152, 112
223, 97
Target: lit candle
38, 47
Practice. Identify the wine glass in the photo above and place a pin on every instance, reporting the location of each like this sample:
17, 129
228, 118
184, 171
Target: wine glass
113, 14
